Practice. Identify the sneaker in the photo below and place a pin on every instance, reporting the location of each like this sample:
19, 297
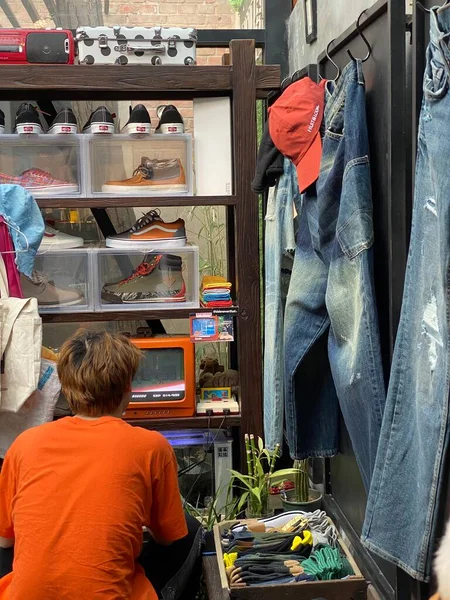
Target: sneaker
27, 119
46, 292
40, 182
64, 122
100, 121
157, 279
139, 121
170, 120
150, 175
2, 122
54, 240
150, 231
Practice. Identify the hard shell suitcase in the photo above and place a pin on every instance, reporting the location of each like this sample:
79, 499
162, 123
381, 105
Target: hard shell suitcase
136, 45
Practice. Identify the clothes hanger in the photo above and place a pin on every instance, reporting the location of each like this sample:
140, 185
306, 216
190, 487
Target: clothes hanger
364, 39
22, 234
332, 62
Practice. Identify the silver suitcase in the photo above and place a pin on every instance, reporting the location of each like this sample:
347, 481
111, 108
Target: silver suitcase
136, 45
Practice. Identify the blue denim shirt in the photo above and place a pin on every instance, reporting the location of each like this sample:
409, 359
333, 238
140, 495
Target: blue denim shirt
26, 225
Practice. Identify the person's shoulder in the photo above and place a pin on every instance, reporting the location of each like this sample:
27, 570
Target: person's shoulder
151, 441
29, 439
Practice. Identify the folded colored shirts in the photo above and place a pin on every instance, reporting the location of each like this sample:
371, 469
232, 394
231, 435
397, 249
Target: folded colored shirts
214, 281
217, 304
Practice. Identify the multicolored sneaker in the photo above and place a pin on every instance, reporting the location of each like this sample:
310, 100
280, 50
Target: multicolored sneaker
55, 240
39, 182
150, 175
150, 231
157, 278
46, 292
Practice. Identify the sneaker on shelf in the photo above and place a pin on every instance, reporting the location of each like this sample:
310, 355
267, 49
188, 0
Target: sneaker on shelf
139, 121
157, 278
27, 119
47, 294
2, 122
170, 120
100, 121
55, 240
151, 174
150, 231
64, 122
38, 181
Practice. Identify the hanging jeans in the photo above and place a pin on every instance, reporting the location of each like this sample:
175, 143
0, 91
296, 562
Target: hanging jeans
332, 348
279, 249
403, 500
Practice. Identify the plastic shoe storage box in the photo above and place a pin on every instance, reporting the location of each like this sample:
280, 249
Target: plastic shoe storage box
112, 159
62, 281
150, 279
46, 165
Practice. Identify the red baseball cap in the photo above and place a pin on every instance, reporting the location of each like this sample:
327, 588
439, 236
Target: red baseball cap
294, 126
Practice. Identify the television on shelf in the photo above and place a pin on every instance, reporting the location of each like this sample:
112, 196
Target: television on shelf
164, 385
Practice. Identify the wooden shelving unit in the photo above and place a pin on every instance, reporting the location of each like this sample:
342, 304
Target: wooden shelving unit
125, 315
244, 82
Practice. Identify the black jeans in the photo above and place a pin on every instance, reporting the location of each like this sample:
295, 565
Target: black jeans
174, 570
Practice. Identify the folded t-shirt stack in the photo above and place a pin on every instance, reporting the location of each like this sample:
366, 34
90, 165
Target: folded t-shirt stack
215, 292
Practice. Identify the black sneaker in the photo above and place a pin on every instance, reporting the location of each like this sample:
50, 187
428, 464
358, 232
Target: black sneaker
100, 121
170, 120
2, 122
27, 119
64, 122
139, 121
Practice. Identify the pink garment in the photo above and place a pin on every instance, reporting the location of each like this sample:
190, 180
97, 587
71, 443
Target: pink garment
7, 253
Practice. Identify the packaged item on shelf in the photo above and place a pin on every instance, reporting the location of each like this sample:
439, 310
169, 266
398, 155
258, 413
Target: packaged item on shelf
55, 240
100, 121
215, 292
136, 45
150, 231
61, 281
27, 120
139, 280
130, 165
139, 121
170, 120
45, 165
64, 122
37, 46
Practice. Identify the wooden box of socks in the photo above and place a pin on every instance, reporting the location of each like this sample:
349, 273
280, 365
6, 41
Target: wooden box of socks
284, 567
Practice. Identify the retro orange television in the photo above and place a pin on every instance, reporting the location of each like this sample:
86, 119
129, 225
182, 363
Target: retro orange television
164, 385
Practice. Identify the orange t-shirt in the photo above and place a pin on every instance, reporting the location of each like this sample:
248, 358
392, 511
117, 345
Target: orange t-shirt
75, 494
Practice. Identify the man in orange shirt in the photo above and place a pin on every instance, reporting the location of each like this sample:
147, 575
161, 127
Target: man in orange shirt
75, 494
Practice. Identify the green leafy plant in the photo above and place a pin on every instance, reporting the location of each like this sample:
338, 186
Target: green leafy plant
236, 4
255, 484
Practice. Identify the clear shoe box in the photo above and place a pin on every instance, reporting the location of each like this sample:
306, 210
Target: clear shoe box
61, 281
151, 165
151, 279
46, 165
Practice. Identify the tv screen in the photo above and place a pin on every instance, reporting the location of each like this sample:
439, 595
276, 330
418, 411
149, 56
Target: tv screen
160, 377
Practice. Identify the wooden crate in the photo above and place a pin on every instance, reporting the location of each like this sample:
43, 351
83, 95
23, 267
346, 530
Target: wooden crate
353, 588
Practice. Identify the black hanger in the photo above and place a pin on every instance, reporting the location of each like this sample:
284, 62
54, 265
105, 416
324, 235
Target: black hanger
364, 39
332, 62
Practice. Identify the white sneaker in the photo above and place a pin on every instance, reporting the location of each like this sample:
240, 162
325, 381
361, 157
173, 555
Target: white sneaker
55, 240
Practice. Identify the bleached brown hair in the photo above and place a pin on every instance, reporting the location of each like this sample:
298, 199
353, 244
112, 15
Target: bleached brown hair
96, 369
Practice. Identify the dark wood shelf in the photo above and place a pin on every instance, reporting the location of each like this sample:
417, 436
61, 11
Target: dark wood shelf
188, 422
124, 315
82, 82
133, 201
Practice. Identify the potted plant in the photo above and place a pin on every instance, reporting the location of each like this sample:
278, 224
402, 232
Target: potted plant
301, 496
255, 484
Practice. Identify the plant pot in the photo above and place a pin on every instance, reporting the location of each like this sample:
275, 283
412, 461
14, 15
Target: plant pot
290, 504
249, 514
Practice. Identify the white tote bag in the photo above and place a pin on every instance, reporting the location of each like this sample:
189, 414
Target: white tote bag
21, 342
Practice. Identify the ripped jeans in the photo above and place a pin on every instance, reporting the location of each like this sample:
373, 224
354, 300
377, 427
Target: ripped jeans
403, 502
